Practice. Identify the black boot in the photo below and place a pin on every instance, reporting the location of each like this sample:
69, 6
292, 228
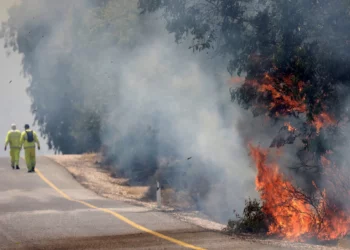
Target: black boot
13, 167
17, 167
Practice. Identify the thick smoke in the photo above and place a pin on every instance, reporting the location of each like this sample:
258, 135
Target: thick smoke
154, 98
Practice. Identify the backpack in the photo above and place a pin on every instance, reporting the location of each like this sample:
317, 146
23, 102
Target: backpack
30, 136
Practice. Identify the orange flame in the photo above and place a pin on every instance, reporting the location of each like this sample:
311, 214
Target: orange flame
289, 127
281, 98
294, 217
288, 97
323, 120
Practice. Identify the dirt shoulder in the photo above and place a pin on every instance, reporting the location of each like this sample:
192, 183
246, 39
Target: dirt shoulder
88, 172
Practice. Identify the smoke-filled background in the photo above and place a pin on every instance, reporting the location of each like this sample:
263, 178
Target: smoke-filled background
293, 59
15, 103
104, 77
118, 77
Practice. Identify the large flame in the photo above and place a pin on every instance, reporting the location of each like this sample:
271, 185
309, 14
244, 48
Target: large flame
295, 216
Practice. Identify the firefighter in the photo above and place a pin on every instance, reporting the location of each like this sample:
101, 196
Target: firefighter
28, 141
13, 138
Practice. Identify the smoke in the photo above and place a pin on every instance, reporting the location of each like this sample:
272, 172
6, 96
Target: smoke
14, 101
154, 99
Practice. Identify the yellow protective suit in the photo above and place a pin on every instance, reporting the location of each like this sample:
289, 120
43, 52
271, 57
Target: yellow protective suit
29, 149
13, 139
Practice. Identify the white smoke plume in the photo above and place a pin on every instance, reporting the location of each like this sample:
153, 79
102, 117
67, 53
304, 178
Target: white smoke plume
146, 81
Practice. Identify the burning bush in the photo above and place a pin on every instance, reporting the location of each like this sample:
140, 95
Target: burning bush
290, 212
297, 215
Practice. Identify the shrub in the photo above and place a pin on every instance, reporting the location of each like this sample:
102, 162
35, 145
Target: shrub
253, 220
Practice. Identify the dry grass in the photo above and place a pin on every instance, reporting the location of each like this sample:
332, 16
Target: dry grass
178, 200
105, 181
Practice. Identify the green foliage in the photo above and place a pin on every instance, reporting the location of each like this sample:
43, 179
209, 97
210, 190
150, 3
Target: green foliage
253, 220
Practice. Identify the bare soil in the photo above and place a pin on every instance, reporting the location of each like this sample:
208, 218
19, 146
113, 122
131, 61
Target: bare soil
86, 170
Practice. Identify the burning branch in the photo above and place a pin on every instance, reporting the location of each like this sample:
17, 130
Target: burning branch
296, 215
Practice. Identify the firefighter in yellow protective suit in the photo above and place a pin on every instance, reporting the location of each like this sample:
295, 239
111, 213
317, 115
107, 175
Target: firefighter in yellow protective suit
13, 139
28, 141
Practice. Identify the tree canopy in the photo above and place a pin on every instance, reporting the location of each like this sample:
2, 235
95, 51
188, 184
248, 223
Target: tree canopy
292, 56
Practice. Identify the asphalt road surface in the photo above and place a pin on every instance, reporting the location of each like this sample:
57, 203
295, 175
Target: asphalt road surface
50, 210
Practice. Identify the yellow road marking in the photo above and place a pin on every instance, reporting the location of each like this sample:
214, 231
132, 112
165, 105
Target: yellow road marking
119, 216
52, 185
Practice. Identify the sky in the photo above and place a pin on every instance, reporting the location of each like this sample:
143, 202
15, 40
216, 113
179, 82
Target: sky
14, 101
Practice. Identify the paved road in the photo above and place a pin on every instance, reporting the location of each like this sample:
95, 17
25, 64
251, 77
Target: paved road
50, 210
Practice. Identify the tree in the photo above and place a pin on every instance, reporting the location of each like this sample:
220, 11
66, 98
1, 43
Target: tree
294, 56
292, 59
